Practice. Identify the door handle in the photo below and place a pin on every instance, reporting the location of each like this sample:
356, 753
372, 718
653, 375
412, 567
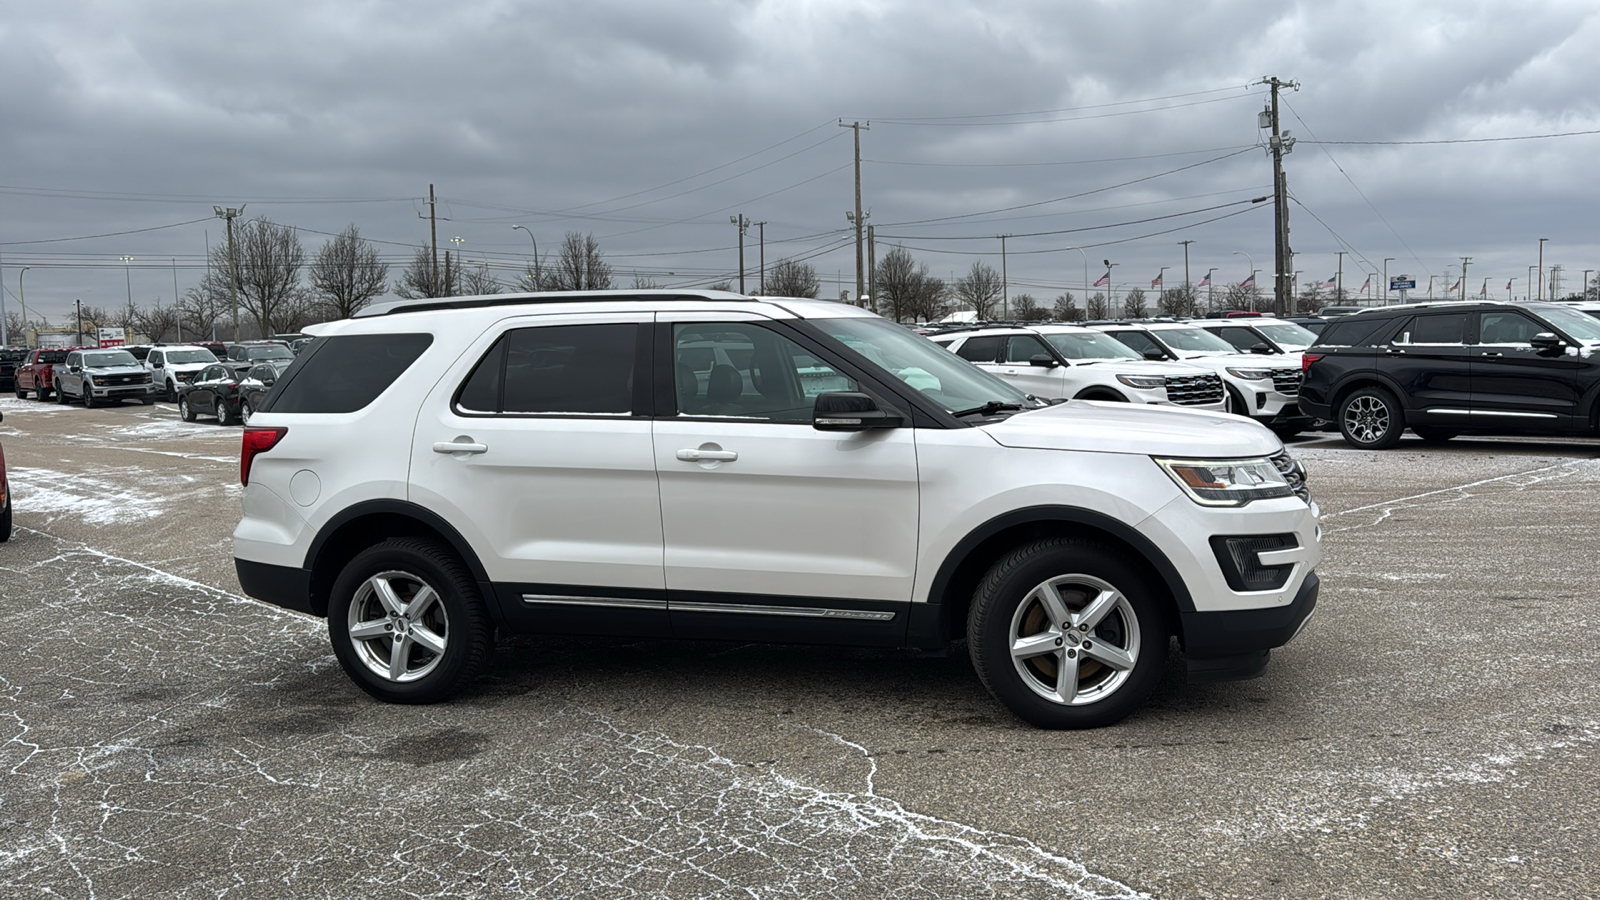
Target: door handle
459, 447
708, 455
1494, 353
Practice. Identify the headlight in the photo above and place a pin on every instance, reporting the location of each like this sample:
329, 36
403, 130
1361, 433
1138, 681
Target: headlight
1227, 482
1143, 381
1251, 374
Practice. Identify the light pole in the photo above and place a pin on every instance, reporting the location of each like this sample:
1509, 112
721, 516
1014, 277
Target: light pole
1085, 280
22, 294
537, 277
458, 240
1211, 289
1531, 283
1508, 289
1186, 264
1447, 278
1541, 267
744, 225
1585, 290
1252, 274
1386, 261
1109, 266
1161, 278
227, 213
126, 260
1430, 286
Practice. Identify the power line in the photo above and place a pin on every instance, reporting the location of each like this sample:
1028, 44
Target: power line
85, 237
1045, 112
1109, 115
1137, 237
1493, 140
980, 237
1068, 162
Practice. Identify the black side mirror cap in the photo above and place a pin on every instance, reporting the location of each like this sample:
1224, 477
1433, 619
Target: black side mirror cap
850, 411
1154, 355
1263, 349
1547, 342
1043, 360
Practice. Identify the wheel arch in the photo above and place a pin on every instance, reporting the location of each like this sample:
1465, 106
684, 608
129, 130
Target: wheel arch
1354, 383
1100, 392
942, 618
373, 522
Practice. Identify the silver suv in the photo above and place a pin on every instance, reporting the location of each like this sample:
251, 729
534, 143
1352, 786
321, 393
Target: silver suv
709, 465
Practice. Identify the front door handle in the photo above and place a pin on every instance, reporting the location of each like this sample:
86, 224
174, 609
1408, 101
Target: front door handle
708, 455
1494, 353
459, 447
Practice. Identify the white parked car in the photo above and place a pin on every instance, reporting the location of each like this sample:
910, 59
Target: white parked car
1077, 363
1265, 388
175, 365
700, 464
1260, 335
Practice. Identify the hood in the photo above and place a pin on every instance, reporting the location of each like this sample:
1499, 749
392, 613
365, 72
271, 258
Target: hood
1245, 360
116, 370
1104, 427
188, 367
1142, 367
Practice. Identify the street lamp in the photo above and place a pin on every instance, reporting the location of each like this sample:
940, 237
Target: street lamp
1161, 278
1508, 288
1386, 261
22, 294
1585, 287
126, 260
537, 277
1252, 274
1085, 278
1109, 266
1211, 289
1541, 267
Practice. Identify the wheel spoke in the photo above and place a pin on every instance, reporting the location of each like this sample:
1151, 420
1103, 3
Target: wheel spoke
1036, 645
1098, 608
399, 655
392, 604
1066, 678
1115, 657
1054, 606
428, 639
421, 603
370, 630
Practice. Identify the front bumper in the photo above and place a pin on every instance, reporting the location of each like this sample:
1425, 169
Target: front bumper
1235, 644
124, 390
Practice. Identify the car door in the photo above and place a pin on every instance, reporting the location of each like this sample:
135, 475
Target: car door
203, 396
1516, 386
1016, 367
775, 530
1430, 361
536, 447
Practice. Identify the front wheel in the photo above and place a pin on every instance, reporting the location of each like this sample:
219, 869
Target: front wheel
5, 518
61, 396
225, 413
246, 411
408, 623
88, 398
185, 411
1068, 633
1371, 419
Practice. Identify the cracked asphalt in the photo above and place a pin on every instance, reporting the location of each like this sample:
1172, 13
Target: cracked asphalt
1431, 734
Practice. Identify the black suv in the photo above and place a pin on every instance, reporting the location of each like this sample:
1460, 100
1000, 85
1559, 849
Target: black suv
1445, 369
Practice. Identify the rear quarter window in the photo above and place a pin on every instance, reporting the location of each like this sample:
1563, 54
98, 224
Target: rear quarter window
1351, 331
345, 373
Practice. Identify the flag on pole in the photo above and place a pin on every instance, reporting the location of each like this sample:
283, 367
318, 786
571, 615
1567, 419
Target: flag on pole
1104, 280
1156, 281
1508, 283
1484, 291
1366, 284
1332, 280
1205, 280
1249, 282
1455, 287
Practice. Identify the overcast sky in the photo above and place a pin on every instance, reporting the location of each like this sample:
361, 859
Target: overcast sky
649, 123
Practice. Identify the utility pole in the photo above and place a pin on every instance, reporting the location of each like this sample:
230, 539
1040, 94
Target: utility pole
228, 214
761, 231
872, 268
1386, 261
1464, 261
433, 236
78, 305
1211, 290
744, 225
1005, 281
1541, 267
1280, 144
861, 281
1186, 267
22, 295
1338, 291
177, 305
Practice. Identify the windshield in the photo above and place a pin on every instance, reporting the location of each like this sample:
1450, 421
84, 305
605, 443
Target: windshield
7, 355
110, 358
197, 355
940, 375
53, 356
276, 351
1574, 323
1089, 345
1287, 335
1192, 340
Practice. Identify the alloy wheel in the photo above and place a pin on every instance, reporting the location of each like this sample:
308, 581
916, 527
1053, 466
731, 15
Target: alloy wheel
398, 626
1366, 419
1074, 640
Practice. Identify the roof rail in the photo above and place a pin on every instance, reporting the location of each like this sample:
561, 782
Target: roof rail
428, 304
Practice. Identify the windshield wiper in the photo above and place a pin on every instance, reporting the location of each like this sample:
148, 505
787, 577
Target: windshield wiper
993, 406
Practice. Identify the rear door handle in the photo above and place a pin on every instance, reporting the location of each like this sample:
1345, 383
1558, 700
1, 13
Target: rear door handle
1491, 353
459, 447
708, 455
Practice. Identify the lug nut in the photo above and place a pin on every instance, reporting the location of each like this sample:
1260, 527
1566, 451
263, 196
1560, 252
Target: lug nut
1087, 644
1058, 642
1072, 654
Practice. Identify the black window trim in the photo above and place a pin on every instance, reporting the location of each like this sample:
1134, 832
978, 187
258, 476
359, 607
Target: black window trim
1005, 349
643, 350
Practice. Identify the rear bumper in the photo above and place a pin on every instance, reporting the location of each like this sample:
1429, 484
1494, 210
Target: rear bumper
1230, 646
282, 586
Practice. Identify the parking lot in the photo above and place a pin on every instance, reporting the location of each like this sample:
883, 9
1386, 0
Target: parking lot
1432, 733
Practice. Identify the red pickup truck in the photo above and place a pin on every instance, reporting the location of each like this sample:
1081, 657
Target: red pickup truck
35, 374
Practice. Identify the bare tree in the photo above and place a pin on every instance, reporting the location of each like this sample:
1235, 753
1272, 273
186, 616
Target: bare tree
480, 281
1097, 306
580, 266
788, 278
721, 286
1178, 301
159, 323
420, 279
980, 289
645, 283
269, 258
203, 306
347, 274
1066, 308
1133, 304
907, 288
1311, 299
1026, 309
1240, 297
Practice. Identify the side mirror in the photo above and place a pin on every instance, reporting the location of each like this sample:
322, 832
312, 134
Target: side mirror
1043, 360
156, 364
849, 411
1154, 354
1547, 342
1263, 349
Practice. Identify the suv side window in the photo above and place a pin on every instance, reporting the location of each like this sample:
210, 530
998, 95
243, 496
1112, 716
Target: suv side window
1351, 331
556, 370
1436, 329
1241, 338
981, 349
1508, 328
1022, 348
345, 373
746, 370
1138, 341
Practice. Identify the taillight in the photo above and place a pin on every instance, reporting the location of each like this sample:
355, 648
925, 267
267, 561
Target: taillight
257, 440
1306, 359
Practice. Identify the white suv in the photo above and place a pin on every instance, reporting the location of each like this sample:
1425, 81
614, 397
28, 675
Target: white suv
1265, 388
1073, 362
172, 366
709, 465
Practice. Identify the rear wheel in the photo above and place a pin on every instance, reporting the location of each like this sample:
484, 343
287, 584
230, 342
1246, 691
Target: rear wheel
21, 394
246, 411
1068, 633
61, 396
225, 413
408, 623
41, 392
185, 411
1371, 419
5, 517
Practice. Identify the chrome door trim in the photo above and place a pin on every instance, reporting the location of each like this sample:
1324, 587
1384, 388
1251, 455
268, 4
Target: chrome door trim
806, 612
613, 602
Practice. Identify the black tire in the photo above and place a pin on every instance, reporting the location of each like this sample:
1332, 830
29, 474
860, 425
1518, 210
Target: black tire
1009, 603
1434, 435
172, 393
457, 619
41, 393
245, 410
1371, 419
88, 397
61, 396
148, 400
21, 394
225, 413
185, 411
5, 520
1285, 432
